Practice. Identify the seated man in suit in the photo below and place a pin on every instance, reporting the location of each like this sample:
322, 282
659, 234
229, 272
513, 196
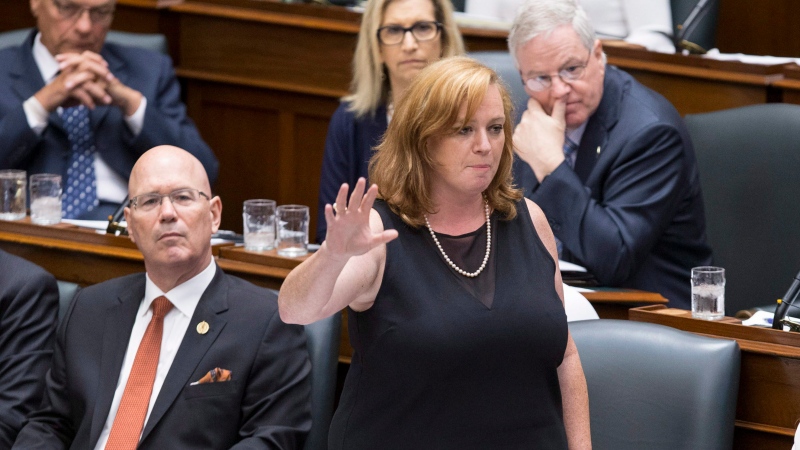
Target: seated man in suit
609, 161
73, 105
28, 318
182, 356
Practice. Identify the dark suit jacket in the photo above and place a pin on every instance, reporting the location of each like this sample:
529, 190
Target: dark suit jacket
165, 120
632, 210
28, 318
265, 405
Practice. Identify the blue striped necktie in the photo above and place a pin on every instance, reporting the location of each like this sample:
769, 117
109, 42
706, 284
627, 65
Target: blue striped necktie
570, 151
80, 189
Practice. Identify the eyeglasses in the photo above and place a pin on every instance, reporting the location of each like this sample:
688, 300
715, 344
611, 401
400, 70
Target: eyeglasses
183, 198
422, 31
101, 15
568, 75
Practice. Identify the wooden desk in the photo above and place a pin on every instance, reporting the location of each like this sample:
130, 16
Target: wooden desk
789, 86
696, 85
262, 78
769, 385
85, 257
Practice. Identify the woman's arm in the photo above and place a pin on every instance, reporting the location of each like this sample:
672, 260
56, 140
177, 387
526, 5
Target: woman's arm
348, 267
574, 394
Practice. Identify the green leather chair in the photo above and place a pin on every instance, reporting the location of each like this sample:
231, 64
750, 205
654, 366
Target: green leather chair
657, 388
749, 163
154, 42
501, 62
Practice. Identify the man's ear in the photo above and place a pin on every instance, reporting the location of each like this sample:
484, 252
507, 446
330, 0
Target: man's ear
127, 212
215, 210
35, 4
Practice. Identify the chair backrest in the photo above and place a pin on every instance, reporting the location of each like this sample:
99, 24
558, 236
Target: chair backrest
66, 292
749, 161
323, 349
656, 387
704, 33
154, 42
502, 63
322, 341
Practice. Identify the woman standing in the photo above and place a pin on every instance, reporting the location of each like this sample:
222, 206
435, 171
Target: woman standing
455, 304
398, 38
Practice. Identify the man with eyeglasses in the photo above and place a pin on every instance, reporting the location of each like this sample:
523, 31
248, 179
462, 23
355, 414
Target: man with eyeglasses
609, 161
182, 356
74, 105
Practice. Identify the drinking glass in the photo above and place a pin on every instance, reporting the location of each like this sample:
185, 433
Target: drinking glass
292, 230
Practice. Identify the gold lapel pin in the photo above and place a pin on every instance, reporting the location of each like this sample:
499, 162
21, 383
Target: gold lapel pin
598, 149
202, 327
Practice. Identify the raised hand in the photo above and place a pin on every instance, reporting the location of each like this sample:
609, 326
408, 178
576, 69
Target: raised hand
349, 231
539, 137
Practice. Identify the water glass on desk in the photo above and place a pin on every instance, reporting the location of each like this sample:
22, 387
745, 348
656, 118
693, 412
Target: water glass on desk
292, 230
259, 225
708, 292
12, 194
45, 198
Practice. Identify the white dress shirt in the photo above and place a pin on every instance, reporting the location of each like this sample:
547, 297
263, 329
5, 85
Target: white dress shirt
184, 299
110, 185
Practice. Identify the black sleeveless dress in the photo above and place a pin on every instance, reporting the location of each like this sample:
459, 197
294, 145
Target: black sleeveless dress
435, 368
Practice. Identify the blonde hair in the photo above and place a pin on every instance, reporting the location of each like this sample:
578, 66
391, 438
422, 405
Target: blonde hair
370, 85
403, 164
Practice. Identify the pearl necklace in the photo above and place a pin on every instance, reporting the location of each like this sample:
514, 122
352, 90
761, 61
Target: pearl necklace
485, 257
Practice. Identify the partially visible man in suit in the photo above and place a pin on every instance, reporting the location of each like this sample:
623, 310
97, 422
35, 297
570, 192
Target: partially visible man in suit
182, 356
609, 161
74, 105
28, 318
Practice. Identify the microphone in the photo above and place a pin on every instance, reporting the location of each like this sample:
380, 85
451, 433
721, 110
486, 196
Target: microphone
114, 220
786, 302
687, 27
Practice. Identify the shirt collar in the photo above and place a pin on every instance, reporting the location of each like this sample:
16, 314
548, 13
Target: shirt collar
48, 66
183, 297
576, 134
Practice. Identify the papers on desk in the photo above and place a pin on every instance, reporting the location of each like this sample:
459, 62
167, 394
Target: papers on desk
576, 305
750, 59
567, 266
480, 21
760, 319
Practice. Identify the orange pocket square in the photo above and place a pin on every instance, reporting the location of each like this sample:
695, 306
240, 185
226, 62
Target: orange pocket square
214, 376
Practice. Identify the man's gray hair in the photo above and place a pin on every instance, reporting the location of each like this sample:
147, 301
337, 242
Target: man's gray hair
536, 17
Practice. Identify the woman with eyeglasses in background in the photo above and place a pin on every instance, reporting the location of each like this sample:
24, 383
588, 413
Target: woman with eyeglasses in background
398, 38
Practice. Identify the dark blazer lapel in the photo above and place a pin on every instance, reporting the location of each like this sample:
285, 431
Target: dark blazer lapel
25, 72
595, 137
120, 318
27, 79
193, 348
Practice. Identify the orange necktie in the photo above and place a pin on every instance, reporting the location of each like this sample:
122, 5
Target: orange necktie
135, 399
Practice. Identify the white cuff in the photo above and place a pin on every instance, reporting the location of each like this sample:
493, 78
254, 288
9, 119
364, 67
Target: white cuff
136, 120
36, 115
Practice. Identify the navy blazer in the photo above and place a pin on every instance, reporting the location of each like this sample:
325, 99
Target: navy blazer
265, 405
28, 318
348, 149
632, 210
151, 73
